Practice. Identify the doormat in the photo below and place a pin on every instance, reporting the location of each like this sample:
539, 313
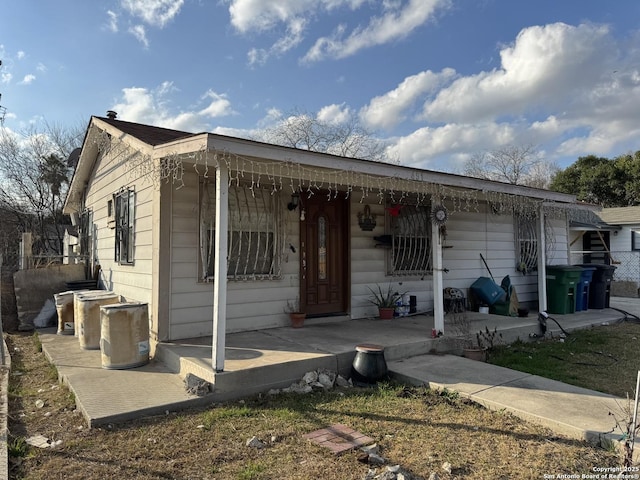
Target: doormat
338, 438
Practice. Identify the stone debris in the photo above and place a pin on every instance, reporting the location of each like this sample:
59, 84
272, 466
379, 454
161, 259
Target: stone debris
255, 442
434, 476
40, 441
39, 403
320, 380
446, 466
371, 456
196, 385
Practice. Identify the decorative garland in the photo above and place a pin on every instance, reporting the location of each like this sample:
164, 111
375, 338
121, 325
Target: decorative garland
311, 181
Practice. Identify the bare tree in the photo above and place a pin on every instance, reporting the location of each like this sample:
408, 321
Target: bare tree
34, 177
514, 164
347, 138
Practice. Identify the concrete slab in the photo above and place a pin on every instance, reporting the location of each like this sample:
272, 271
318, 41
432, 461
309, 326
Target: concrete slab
274, 358
105, 396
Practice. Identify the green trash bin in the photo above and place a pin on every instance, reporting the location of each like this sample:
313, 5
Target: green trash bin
562, 285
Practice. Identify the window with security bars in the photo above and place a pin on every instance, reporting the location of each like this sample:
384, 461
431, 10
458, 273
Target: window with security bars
125, 221
410, 228
526, 244
254, 237
85, 231
635, 240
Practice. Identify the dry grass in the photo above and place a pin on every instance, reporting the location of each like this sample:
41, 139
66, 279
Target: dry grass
416, 428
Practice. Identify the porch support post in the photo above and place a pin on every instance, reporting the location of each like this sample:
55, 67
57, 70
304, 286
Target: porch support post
218, 342
438, 301
542, 262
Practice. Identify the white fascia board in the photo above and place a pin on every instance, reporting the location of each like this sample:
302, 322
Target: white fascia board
263, 151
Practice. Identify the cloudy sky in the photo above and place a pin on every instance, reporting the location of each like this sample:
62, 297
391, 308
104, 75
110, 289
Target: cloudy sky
437, 80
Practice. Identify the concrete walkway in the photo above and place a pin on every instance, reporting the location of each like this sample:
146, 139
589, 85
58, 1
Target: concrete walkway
567, 410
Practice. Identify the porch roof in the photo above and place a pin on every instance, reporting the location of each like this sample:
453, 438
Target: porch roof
154, 144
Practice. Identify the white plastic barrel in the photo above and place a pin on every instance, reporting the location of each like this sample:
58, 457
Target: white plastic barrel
124, 338
64, 308
76, 313
88, 321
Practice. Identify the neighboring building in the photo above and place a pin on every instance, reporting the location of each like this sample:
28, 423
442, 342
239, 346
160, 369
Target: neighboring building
156, 208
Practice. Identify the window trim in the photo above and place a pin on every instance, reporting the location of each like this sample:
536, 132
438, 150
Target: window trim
125, 226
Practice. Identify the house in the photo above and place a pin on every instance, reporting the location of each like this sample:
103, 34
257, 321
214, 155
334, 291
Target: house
159, 210
612, 238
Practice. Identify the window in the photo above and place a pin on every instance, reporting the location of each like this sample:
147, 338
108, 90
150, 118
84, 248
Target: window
255, 235
125, 220
526, 245
635, 240
410, 240
86, 232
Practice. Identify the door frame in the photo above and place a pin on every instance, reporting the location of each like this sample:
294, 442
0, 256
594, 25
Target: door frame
345, 247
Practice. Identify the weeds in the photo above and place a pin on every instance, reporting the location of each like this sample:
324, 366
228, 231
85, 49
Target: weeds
17, 447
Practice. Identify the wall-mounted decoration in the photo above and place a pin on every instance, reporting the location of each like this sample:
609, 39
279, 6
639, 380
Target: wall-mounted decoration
439, 214
366, 219
394, 210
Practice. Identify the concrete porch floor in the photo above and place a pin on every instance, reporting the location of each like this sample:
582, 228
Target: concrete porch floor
260, 360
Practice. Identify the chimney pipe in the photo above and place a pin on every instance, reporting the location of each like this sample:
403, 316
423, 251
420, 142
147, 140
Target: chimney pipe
111, 114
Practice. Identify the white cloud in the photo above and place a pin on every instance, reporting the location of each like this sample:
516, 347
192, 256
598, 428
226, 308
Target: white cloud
28, 79
6, 78
152, 107
112, 22
386, 111
396, 23
427, 146
140, 33
571, 90
219, 106
41, 67
546, 65
20, 55
153, 12
334, 114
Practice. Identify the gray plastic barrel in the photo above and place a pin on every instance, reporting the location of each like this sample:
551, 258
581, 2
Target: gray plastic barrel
64, 308
124, 338
88, 321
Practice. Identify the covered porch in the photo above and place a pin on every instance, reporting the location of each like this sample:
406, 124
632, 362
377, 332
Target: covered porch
267, 359
260, 360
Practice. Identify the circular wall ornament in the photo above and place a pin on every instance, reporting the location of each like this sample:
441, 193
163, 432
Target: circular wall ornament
439, 215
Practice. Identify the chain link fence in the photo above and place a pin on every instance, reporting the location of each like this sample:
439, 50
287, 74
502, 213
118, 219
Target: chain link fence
626, 276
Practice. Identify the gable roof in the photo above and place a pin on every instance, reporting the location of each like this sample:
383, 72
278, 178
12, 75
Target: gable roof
147, 133
620, 215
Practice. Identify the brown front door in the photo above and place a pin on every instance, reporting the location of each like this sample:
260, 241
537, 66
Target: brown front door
324, 267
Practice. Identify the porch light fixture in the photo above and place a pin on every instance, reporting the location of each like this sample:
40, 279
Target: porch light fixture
295, 199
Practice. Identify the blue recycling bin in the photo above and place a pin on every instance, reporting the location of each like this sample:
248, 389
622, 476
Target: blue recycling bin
582, 295
600, 287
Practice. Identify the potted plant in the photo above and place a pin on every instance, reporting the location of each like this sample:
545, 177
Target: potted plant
460, 323
296, 315
488, 340
385, 301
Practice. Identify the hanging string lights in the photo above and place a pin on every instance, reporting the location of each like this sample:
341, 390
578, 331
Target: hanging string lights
311, 180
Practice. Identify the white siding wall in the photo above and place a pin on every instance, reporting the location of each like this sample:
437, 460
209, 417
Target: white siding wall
470, 234
368, 267
260, 304
251, 304
133, 282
